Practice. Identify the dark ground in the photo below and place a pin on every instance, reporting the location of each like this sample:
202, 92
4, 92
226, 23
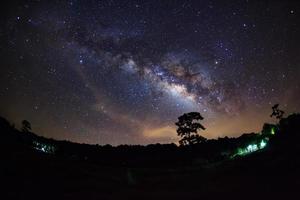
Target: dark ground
79, 171
32, 175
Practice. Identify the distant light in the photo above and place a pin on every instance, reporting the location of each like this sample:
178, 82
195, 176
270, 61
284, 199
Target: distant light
241, 151
46, 148
252, 148
262, 144
273, 131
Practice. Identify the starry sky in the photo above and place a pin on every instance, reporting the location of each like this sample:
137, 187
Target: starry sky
121, 72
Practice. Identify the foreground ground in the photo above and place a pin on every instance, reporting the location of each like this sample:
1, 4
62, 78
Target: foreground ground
27, 174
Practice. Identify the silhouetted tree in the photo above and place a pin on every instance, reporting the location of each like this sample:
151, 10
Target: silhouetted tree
26, 126
277, 112
188, 125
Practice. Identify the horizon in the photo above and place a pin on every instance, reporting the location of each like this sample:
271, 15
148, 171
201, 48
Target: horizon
264, 133
274, 121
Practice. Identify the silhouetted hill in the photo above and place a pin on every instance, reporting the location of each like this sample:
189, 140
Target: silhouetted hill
264, 165
125, 155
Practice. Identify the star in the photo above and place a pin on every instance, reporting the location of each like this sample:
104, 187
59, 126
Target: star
109, 69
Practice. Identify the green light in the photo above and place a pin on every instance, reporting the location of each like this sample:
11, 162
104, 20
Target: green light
273, 131
251, 148
46, 148
262, 144
241, 151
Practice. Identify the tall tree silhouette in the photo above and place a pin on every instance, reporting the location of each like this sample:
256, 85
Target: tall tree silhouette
277, 113
26, 126
188, 126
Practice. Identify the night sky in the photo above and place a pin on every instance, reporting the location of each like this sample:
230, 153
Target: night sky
121, 72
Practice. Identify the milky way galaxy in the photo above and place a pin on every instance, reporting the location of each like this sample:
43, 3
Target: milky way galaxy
121, 72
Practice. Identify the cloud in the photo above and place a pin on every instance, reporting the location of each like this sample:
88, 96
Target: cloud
160, 132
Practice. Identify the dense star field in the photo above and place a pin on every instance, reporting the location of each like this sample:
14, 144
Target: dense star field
121, 72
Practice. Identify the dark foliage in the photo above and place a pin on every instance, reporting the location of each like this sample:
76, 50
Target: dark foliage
269, 128
202, 150
188, 126
26, 126
156, 171
123, 155
276, 112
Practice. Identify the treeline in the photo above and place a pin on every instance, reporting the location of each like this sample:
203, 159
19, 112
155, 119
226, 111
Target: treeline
286, 132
